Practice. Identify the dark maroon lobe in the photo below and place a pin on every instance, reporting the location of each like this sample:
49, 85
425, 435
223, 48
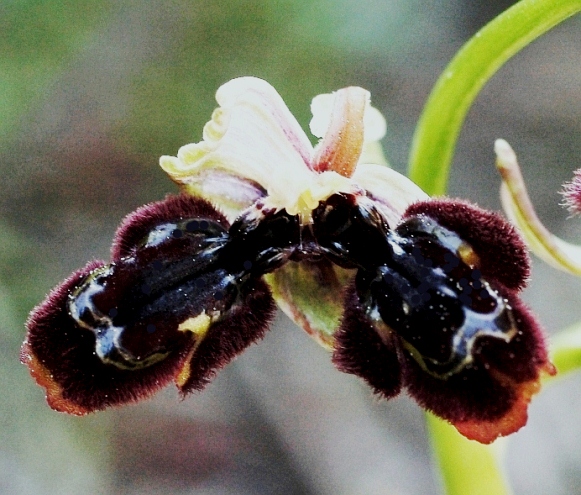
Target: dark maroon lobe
502, 252
113, 334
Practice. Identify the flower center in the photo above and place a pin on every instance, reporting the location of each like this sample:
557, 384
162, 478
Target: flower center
301, 197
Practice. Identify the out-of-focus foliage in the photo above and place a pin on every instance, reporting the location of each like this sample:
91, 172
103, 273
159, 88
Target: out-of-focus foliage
91, 93
37, 40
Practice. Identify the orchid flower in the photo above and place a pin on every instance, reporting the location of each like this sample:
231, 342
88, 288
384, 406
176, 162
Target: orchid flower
407, 291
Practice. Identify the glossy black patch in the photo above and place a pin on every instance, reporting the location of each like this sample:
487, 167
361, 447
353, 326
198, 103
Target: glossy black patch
502, 253
487, 387
135, 304
168, 301
433, 300
431, 307
62, 358
262, 241
174, 209
350, 231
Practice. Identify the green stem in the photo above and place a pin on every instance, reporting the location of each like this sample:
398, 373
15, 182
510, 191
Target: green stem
439, 126
566, 350
466, 467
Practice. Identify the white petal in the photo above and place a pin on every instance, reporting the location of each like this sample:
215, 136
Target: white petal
253, 136
350, 129
374, 123
392, 191
317, 188
321, 108
229, 192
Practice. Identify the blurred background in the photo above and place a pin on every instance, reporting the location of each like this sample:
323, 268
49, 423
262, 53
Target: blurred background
92, 93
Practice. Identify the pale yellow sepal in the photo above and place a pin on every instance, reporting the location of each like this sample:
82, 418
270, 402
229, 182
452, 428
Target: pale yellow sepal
253, 147
392, 191
346, 122
253, 136
307, 196
519, 208
374, 125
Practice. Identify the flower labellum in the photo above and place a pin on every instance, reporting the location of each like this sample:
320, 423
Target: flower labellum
440, 315
166, 307
407, 291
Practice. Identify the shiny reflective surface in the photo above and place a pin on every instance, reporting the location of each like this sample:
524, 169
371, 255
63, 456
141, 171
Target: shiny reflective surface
420, 281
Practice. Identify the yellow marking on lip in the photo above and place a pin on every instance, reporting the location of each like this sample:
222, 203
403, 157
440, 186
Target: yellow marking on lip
468, 256
199, 326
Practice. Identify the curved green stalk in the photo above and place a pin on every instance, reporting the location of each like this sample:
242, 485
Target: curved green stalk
566, 350
439, 126
466, 467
